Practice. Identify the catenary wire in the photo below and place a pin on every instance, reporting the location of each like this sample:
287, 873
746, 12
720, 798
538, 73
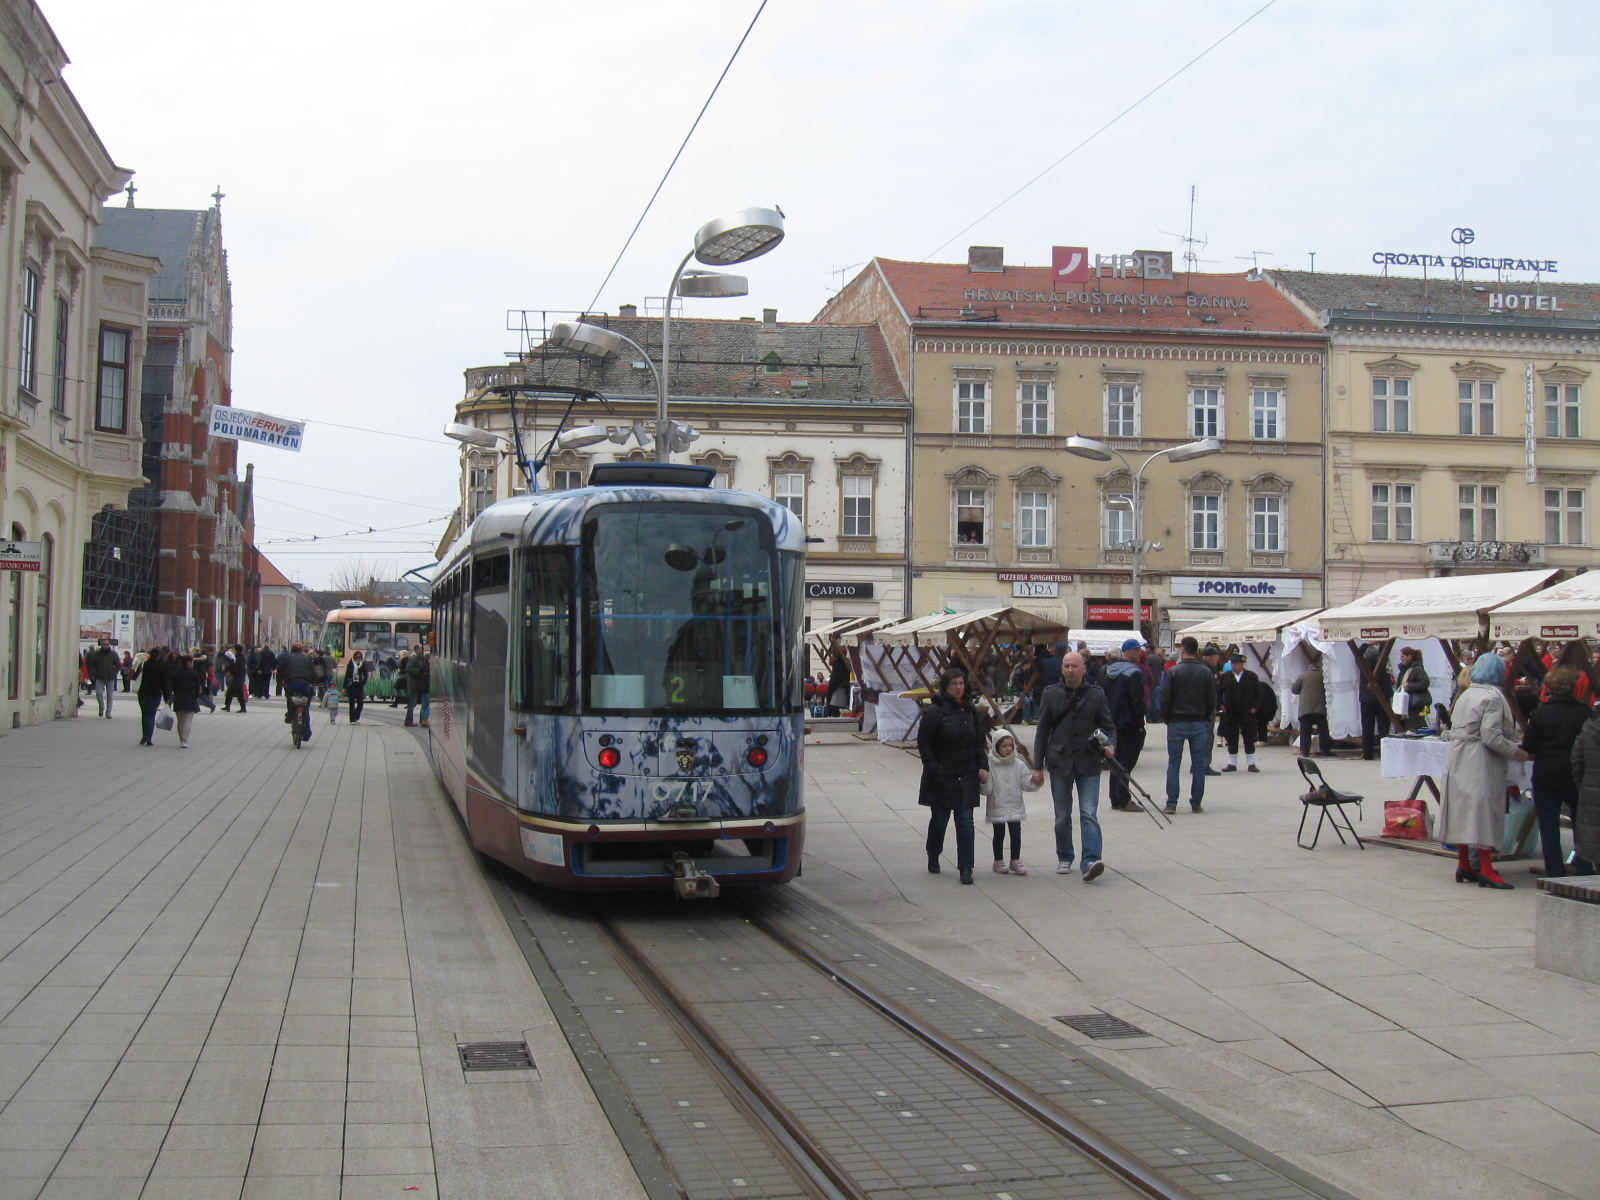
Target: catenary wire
681, 147
342, 492
1099, 131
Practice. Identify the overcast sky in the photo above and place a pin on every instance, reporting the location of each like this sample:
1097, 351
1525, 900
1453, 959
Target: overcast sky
400, 174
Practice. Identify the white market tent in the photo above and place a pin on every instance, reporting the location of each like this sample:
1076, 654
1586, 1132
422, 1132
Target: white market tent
1240, 629
1100, 641
1450, 606
1341, 677
1566, 612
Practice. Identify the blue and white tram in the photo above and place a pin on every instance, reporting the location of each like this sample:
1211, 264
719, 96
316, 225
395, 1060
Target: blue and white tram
616, 687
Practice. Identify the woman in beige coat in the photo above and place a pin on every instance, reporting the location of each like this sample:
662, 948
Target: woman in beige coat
1482, 737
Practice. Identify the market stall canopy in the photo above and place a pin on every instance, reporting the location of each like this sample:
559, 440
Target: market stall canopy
933, 630
1101, 641
1451, 606
1239, 629
823, 636
1566, 612
860, 635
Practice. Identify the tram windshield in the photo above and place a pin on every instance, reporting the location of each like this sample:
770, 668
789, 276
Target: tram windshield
682, 610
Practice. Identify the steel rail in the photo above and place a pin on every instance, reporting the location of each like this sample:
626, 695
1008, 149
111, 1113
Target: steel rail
1112, 1158
815, 1168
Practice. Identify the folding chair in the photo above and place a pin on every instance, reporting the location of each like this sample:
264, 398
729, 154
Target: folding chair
1331, 803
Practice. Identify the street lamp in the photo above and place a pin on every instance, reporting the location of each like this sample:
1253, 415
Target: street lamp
1098, 451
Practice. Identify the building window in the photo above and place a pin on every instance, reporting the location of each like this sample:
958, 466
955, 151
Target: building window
972, 516
1266, 523
28, 332
789, 490
1205, 521
1562, 402
1563, 516
972, 407
1205, 412
1392, 512
1391, 405
111, 388
1122, 410
565, 479
480, 490
41, 616
1476, 405
723, 480
63, 328
855, 513
772, 364
1479, 506
1266, 414
1033, 519
1119, 521
1033, 408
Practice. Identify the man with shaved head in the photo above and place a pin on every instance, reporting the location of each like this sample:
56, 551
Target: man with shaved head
1065, 743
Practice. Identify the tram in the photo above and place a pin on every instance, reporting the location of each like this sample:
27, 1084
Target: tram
616, 684
382, 634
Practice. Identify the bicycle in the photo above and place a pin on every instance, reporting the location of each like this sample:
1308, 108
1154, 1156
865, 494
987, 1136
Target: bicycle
299, 713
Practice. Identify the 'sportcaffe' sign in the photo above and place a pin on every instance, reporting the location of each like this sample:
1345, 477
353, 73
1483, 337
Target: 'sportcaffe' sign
1237, 585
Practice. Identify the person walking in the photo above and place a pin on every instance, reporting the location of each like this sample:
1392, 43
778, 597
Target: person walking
1313, 692
1586, 811
838, 686
1415, 688
1125, 688
1006, 810
1065, 744
321, 670
400, 690
152, 675
950, 744
356, 673
236, 673
260, 671
1238, 697
1472, 806
418, 680
103, 666
1549, 737
126, 671
1188, 706
185, 686
1212, 657
1376, 697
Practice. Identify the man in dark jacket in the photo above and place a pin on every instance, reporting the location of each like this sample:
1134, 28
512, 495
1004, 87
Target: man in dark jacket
1375, 723
297, 671
418, 680
1238, 697
1188, 704
950, 744
236, 674
1064, 744
103, 666
1548, 740
1123, 682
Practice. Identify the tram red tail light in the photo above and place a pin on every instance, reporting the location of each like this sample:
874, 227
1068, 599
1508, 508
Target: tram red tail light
610, 757
757, 757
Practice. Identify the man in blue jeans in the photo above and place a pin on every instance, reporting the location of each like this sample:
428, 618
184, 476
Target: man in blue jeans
1188, 704
1073, 739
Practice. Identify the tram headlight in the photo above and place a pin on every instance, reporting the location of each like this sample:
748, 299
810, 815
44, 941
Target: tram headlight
609, 757
757, 757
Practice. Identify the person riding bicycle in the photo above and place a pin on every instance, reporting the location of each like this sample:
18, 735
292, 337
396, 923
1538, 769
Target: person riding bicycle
296, 675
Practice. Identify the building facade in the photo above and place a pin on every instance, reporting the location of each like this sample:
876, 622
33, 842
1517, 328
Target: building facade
73, 340
1463, 424
811, 416
1003, 363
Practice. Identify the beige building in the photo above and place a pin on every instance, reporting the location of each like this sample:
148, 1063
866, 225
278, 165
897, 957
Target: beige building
1004, 363
1463, 424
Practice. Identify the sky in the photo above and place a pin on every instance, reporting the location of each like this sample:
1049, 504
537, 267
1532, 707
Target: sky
399, 175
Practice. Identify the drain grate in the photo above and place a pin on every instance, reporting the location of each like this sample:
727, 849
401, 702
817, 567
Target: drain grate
495, 1056
1102, 1025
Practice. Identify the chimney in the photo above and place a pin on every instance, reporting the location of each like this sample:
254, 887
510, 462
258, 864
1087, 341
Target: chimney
769, 318
627, 310
986, 258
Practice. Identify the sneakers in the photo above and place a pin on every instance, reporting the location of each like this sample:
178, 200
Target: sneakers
1018, 867
1093, 871
1253, 769
1063, 868
183, 745
1000, 868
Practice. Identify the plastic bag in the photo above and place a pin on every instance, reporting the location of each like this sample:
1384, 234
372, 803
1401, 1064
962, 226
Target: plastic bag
1406, 819
164, 718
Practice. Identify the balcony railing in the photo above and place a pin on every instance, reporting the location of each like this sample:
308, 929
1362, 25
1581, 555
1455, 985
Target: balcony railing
1489, 554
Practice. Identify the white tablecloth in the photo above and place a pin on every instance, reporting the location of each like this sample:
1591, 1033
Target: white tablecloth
1425, 756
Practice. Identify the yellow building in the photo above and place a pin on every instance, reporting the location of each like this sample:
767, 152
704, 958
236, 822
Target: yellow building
1004, 363
1462, 429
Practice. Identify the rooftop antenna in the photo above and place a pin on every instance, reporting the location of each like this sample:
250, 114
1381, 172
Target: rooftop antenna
1190, 242
1255, 265
217, 196
839, 273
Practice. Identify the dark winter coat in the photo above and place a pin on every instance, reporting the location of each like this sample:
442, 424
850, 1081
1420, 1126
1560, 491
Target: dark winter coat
1124, 686
103, 664
184, 685
356, 675
296, 667
1238, 695
1189, 692
237, 668
1068, 718
950, 741
1551, 731
1586, 773
153, 677
418, 675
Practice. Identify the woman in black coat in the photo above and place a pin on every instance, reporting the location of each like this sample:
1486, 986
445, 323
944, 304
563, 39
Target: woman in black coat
152, 677
955, 761
1549, 738
356, 673
185, 685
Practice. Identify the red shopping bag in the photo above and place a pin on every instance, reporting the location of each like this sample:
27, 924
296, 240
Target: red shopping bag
1405, 819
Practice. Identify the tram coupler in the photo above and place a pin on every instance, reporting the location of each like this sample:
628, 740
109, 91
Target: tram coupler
690, 882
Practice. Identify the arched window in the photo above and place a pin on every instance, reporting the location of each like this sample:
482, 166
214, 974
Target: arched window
1036, 508
1269, 513
972, 502
41, 619
1116, 506
1208, 496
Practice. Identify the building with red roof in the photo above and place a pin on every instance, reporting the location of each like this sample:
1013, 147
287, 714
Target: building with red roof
1004, 363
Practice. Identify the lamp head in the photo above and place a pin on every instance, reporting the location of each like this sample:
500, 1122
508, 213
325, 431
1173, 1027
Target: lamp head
710, 284
738, 237
468, 435
583, 435
1191, 450
1091, 448
593, 340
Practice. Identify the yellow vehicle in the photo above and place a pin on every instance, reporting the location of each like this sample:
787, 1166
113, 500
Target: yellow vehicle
381, 634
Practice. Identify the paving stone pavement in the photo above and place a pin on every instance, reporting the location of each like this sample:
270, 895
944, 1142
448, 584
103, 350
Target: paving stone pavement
1354, 1011
240, 972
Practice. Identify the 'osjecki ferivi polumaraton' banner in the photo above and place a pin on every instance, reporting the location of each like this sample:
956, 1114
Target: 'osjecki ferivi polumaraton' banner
242, 425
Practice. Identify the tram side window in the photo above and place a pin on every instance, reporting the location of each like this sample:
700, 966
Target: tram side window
333, 638
408, 635
545, 630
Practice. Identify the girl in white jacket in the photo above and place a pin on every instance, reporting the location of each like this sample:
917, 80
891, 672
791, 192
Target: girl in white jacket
1009, 778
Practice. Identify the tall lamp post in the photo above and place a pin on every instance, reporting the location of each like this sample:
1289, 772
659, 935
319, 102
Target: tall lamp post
735, 238
1098, 451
